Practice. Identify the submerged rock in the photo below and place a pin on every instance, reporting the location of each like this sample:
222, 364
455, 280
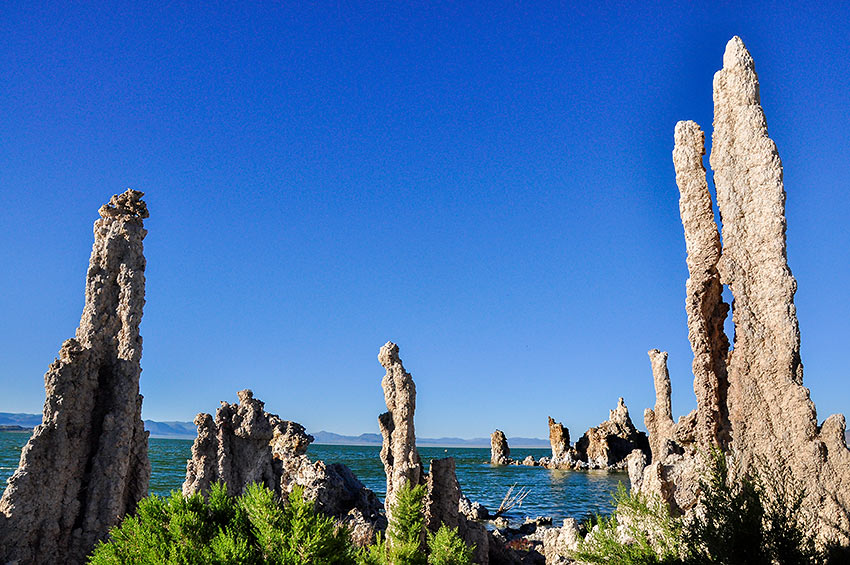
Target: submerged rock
86, 465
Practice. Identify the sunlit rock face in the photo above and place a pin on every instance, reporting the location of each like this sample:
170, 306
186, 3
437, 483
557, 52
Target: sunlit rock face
750, 400
86, 465
398, 450
559, 440
500, 452
607, 445
244, 444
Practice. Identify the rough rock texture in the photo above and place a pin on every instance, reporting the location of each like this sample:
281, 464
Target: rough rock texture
751, 399
442, 502
559, 439
500, 453
659, 422
704, 301
608, 445
402, 464
245, 444
235, 448
86, 465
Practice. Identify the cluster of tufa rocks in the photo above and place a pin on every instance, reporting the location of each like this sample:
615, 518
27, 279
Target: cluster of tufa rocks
751, 402
86, 465
606, 446
244, 444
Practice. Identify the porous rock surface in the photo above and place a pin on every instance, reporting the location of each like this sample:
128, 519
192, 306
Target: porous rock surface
444, 502
751, 399
607, 445
244, 444
500, 452
86, 465
402, 464
559, 439
235, 447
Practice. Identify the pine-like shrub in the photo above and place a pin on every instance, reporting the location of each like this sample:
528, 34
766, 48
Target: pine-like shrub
254, 528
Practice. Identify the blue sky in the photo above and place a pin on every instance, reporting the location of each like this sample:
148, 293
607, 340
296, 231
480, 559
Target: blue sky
488, 185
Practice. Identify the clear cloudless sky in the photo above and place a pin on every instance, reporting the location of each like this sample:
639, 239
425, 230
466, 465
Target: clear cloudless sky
489, 185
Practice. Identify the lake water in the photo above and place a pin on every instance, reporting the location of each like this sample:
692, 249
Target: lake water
559, 494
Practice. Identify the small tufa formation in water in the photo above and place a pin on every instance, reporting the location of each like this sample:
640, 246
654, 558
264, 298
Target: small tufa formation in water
245, 444
559, 439
500, 452
86, 465
607, 445
750, 400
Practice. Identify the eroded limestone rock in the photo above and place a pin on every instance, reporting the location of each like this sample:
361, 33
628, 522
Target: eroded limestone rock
402, 464
751, 400
559, 439
659, 422
86, 465
500, 453
607, 445
245, 444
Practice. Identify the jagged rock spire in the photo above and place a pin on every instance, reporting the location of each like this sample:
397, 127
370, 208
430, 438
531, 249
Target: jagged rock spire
402, 464
659, 421
86, 465
750, 399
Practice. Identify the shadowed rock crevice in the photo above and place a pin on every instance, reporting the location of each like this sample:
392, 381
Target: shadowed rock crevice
750, 400
86, 465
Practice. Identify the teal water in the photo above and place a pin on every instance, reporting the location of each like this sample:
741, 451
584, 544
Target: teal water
559, 494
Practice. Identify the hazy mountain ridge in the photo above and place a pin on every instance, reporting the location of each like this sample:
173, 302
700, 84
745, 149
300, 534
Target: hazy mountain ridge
187, 430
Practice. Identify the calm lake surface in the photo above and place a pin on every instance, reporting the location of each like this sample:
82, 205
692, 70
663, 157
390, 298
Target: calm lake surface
559, 494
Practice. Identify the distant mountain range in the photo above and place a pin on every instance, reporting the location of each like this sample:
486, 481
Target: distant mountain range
330, 438
187, 430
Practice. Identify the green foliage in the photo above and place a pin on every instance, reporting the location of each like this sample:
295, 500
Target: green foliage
250, 529
404, 542
447, 548
752, 518
655, 536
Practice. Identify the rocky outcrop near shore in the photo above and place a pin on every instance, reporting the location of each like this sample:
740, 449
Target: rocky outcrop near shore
607, 445
500, 452
86, 465
750, 400
244, 444
402, 464
235, 447
559, 439
444, 502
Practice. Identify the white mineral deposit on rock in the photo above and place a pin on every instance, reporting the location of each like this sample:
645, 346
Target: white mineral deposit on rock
750, 400
500, 452
86, 465
398, 451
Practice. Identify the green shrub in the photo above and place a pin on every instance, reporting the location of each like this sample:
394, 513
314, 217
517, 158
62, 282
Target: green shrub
654, 535
447, 548
749, 518
254, 528
404, 542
